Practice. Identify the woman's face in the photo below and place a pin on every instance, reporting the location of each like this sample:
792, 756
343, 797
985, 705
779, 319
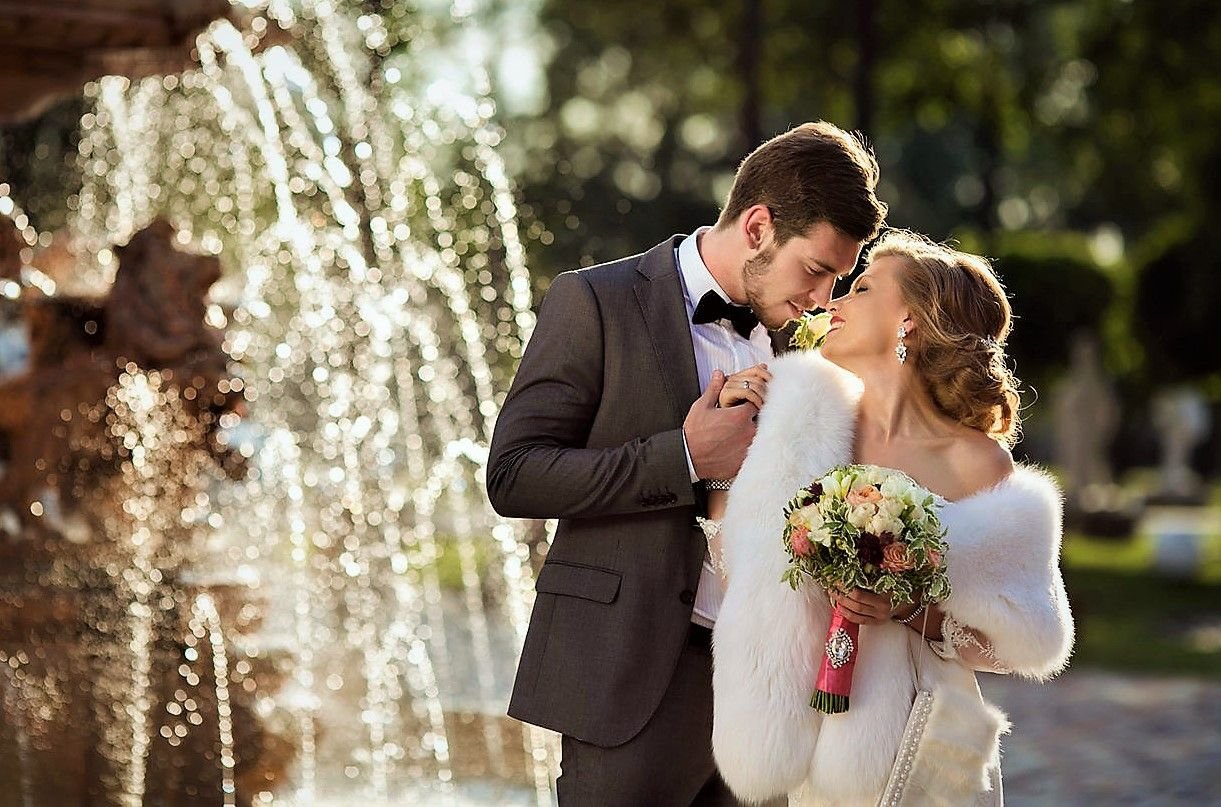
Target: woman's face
865, 321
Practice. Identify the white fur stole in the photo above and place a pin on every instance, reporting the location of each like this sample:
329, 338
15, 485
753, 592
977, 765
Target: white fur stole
1003, 564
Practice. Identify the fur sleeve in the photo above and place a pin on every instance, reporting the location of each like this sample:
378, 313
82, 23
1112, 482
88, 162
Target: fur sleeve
1004, 565
764, 731
768, 638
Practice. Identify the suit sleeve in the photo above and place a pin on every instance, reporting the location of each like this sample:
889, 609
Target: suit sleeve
538, 466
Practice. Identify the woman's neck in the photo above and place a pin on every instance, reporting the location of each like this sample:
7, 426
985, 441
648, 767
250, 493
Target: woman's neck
895, 406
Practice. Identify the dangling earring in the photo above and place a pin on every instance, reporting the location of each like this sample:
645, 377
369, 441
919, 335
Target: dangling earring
901, 349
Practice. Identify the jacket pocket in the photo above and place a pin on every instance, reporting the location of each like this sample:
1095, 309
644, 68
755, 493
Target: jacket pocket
574, 580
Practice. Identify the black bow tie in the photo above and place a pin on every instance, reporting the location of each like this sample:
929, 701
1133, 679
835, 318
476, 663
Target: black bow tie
713, 306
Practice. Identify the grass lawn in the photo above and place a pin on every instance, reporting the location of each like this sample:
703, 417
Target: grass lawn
1132, 620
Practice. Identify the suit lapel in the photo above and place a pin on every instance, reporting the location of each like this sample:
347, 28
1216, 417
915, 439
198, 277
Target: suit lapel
660, 294
782, 339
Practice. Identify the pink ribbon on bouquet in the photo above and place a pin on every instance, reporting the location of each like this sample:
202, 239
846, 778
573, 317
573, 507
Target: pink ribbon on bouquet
834, 683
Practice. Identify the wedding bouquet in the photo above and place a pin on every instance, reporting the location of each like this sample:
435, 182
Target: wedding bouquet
861, 526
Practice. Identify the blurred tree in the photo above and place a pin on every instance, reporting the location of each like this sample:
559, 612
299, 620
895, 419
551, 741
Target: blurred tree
1015, 115
641, 124
651, 109
991, 119
38, 160
1056, 289
1178, 288
1145, 146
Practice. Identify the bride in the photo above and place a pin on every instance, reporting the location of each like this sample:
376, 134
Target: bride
912, 376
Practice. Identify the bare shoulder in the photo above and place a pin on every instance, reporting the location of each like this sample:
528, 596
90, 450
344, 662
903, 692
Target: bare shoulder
980, 459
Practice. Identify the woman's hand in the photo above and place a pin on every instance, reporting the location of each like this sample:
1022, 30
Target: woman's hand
746, 386
864, 607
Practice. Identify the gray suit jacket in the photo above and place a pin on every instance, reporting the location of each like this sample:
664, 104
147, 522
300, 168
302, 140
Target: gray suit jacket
591, 433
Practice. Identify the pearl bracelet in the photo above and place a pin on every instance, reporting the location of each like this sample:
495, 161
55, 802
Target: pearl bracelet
907, 620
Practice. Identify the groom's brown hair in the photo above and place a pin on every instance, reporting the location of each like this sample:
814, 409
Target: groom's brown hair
815, 172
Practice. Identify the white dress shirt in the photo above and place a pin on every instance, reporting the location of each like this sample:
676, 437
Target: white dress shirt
717, 347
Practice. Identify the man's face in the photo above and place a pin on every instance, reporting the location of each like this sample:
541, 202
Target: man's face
782, 282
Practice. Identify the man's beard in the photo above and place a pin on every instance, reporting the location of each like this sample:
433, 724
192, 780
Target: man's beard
753, 273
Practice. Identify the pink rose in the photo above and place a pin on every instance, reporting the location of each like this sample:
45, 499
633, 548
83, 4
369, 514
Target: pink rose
866, 495
895, 558
799, 540
934, 558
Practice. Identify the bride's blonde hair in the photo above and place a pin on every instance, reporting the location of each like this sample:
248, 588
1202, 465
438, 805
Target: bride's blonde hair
962, 320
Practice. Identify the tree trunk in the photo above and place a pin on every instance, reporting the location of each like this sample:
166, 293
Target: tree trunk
866, 58
750, 47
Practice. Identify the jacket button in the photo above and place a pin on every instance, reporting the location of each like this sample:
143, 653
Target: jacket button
687, 597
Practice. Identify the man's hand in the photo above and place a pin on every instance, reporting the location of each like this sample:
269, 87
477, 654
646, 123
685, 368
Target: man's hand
717, 439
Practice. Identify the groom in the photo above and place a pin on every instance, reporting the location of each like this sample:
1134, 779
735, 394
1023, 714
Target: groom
605, 429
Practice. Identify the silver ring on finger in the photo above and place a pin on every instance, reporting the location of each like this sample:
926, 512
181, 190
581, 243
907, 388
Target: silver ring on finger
745, 385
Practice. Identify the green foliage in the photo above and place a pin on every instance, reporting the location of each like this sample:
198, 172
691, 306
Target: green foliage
1132, 620
1178, 287
1056, 290
1042, 126
450, 565
638, 130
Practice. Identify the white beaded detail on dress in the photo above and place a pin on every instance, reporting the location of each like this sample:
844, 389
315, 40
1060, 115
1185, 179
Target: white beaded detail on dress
921, 709
955, 635
712, 532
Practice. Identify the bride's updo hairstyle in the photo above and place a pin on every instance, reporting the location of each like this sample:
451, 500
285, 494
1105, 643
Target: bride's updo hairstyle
962, 320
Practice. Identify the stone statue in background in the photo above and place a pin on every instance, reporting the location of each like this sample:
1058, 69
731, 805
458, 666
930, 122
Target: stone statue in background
1182, 420
52, 418
1086, 413
73, 498
155, 310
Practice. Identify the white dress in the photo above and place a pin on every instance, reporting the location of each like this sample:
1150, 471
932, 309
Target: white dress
956, 639
1003, 562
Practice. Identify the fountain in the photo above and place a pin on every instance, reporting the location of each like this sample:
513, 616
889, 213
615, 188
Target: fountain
111, 439
305, 596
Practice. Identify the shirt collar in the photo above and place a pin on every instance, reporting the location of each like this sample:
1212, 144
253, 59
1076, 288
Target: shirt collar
697, 280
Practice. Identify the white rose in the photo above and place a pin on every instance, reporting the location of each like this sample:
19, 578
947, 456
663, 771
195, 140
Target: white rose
896, 486
821, 536
880, 524
812, 330
877, 476
835, 485
861, 515
892, 508
808, 517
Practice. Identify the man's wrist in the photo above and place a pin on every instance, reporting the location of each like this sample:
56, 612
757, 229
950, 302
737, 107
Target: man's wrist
687, 452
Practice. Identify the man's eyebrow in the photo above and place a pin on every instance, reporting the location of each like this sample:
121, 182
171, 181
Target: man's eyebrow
831, 269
